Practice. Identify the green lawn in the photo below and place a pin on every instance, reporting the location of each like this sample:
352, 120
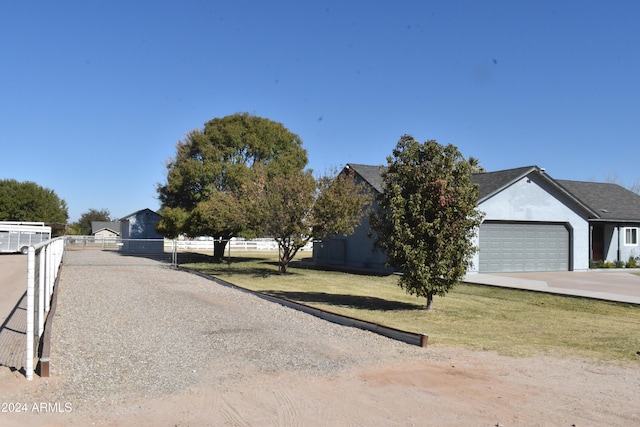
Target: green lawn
510, 322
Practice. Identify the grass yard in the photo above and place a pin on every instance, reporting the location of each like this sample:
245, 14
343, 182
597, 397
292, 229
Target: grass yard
510, 322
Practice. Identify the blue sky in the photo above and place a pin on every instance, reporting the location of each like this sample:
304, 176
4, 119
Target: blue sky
94, 95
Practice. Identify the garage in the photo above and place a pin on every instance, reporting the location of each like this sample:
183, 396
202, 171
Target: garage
523, 246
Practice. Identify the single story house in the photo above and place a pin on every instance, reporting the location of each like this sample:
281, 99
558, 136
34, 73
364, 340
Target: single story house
532, 223
105, 230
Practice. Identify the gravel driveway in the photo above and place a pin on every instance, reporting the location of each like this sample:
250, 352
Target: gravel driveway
126, 331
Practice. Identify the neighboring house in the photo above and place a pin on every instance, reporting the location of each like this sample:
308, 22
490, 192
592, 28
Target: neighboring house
532, 223
355, 251
141, 226
137, 231
104, 230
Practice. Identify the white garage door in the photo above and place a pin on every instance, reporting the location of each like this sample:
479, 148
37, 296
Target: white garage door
510, 247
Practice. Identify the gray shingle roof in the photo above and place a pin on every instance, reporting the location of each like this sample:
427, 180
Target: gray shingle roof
114, 226
371, 174
611, 202
489, 182
602, 201
492, 182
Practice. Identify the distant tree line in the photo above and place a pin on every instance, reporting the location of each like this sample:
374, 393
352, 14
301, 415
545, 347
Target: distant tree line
28, 201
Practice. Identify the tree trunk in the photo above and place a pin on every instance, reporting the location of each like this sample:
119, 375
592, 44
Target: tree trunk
218, 249
429, 301
287, 255
284, 261
283, 268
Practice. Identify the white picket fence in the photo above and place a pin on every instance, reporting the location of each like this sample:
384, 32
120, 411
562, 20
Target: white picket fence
43, 265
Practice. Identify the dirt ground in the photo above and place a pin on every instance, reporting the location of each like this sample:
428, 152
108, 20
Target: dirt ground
451, 387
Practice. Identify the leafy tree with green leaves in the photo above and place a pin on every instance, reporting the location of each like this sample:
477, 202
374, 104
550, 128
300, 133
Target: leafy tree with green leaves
295, 208
203, 192
341, 203
476, 167
28, 201
83, 225
286, 205
427, 216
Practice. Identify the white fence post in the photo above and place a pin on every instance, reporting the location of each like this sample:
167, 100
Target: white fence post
42, 282
30, 311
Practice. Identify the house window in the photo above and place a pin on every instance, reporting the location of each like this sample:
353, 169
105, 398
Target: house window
631, 237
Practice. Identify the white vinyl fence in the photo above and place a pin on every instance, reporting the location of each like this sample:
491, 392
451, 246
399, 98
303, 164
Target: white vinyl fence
43, 265
264, 244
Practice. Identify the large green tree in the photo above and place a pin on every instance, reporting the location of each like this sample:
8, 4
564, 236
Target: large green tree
28, 201
427, 216
203, 192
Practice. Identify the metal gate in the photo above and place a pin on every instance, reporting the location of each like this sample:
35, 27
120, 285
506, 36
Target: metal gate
115, 251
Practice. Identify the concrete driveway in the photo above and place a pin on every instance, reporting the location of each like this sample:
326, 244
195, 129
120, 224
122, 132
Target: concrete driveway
612, 285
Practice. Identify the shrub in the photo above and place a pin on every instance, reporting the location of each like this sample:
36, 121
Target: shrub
632, 263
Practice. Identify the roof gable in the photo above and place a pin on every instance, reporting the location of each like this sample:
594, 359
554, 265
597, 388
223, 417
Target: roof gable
490, 183
136, 213
371, 174
114, 226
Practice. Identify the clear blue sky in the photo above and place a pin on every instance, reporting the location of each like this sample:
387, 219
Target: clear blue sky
94, 95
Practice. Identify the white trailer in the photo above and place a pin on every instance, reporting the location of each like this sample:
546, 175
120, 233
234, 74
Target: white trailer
16, 236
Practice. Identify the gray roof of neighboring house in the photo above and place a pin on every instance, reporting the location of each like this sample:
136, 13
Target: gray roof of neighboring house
611, 202
138, 212
371, 174
114, 226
